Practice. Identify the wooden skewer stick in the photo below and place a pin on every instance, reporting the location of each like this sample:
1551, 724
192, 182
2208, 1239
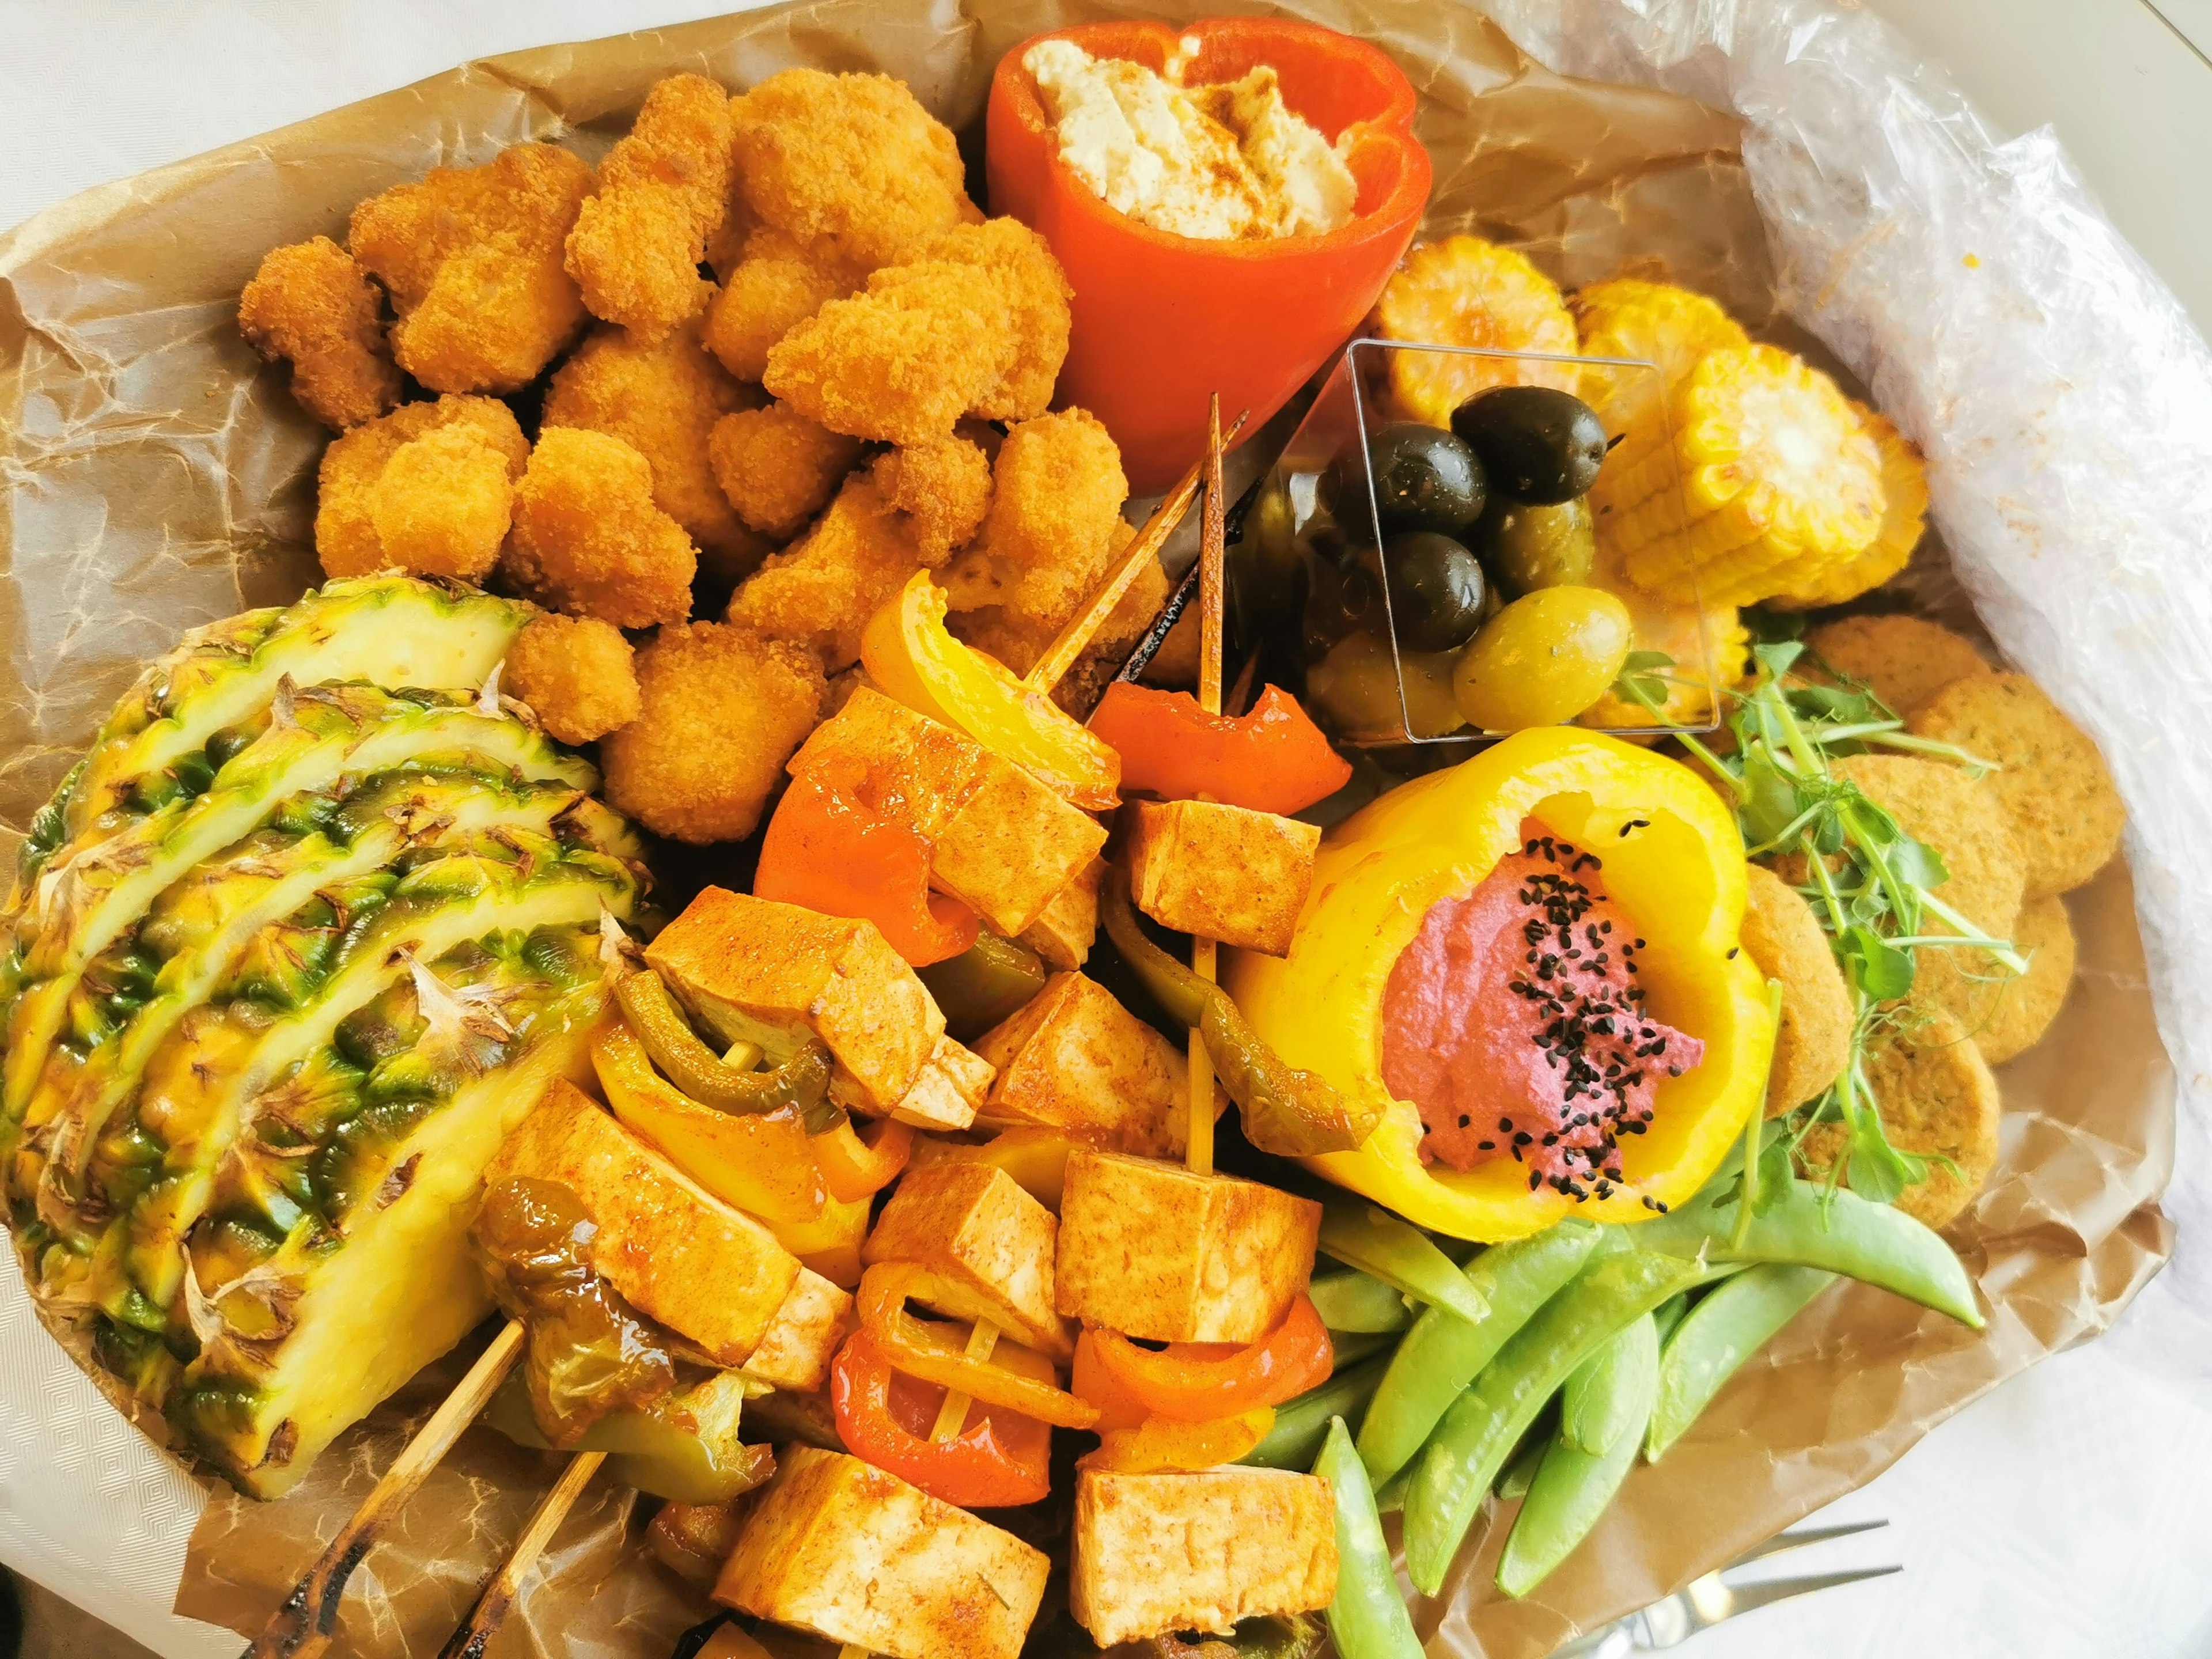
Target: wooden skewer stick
304, 1626
1198, 1142
1060, 656
484, 1618
952, 1415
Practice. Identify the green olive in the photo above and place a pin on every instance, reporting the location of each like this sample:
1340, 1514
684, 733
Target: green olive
1527, 547
1543, 659
1354, 689
1425, 479
1537, 443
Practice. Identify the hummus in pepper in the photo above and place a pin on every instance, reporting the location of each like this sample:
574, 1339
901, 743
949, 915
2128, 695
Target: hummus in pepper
1514, 1022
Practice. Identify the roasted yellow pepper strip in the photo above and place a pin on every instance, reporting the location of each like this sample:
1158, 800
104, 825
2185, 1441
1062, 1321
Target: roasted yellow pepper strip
1674, 862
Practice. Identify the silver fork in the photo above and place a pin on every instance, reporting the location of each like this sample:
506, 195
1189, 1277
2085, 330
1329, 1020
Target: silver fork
1704, 1602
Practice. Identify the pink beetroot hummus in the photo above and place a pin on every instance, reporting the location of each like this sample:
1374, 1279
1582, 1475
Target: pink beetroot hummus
1515, 1023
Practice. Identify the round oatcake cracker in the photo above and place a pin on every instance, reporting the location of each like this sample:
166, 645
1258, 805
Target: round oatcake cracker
1937, 1098
1785, 938
2066, 813
2018, 1010
1904, 660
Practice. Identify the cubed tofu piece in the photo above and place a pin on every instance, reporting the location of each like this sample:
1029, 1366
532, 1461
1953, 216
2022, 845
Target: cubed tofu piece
1064, 933
707, 1271
1156, 1251
972, 1222
952, 1084
754, 970
804, 1337
1073, 1058
850, 1554
1001, 842
1035, 1158
1222, 873
1153, 1554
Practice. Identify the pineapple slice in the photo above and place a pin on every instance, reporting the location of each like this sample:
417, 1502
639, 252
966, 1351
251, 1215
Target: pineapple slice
1464, 291
391, 631
86, 897
1903, 516
1779, 484
329, 1271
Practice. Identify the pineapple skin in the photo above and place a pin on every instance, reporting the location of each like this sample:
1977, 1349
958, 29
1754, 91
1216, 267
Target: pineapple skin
336, 1258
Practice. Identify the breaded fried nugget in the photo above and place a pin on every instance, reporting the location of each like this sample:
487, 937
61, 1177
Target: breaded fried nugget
902, 361
310, 304
1936, 1099
637, 243
576, 674
852, 156
1018, 644
471, 257
1056, 497
662, 398
780, 283
1785, 938
1904, 660
588, 539
2066, 813
346, 538
777, 468
1036, 296
944, 487
2018, 1011
821, 590
443, 502
722, 710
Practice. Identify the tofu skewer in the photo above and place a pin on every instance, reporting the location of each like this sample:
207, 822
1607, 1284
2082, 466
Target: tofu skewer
1198, 1153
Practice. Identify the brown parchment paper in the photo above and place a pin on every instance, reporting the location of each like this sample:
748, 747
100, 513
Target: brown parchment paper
158, 476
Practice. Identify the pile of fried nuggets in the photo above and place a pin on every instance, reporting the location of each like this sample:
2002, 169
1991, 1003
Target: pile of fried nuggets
860, 393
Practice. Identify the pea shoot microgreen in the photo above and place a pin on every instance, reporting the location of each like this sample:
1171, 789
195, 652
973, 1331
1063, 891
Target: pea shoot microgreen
1867, 880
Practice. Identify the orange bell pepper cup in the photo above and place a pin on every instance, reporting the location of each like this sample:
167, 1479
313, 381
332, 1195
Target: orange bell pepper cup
1161, 321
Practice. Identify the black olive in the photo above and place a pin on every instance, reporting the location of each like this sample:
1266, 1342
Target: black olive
1425, 479
1436, 590
1538, 444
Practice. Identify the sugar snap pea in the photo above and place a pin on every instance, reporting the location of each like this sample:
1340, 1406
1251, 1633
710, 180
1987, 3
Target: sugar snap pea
1366, 1236
1348, 1348
1522, 1467
1368, 1617
1301, 1424
1839, 1231
1354, 1301
1461, 1459
1442, 1352
1723, 1331
1613, 1386
1573, 1483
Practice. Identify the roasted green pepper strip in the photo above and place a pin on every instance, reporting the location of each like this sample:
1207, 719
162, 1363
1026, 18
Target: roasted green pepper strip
1841, 1232
1354, 1302
1441, 1354
1573, 1485
801, 1082
1364, 1236
1302, 1425
1290, 1113
985, 983
1462, 1460
1723, 1331
1368, 1617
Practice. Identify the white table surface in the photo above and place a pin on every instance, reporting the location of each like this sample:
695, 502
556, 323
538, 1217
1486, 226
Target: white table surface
2070, 1513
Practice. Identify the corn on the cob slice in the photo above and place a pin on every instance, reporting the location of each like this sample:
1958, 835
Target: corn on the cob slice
1464, 291
1709, 643
1903, 515
1659, 322
1779, 484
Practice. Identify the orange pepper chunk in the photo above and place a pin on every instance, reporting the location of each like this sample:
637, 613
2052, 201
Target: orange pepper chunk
1199, 1381
829, 852
1272, 760
1161, 1443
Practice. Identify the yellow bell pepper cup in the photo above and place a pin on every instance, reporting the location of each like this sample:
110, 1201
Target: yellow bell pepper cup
1673, 862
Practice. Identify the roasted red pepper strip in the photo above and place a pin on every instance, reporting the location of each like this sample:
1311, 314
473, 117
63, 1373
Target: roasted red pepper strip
884, 1418
1199, 1381
856, 1165
829, 852
1161, 320
1272, 760
931, 1351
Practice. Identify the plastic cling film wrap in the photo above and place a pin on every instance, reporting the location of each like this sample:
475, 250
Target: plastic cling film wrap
157, 476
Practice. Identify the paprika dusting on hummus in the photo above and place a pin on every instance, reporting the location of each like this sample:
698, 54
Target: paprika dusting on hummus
1514, 1022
